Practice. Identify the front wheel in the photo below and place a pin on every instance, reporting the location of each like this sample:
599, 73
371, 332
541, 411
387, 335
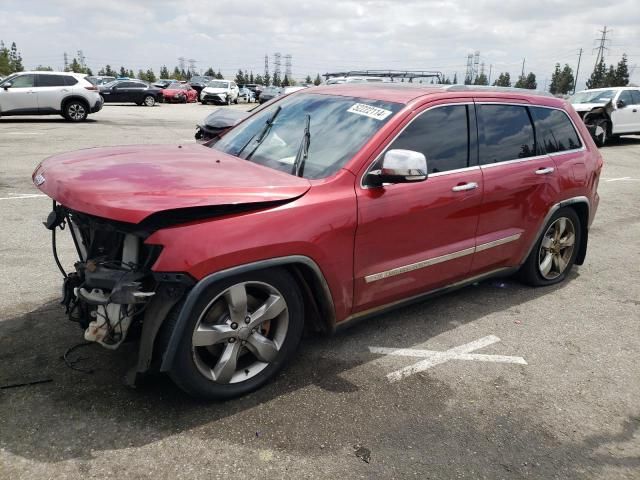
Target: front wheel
243, 330
149, 101
76, 111
601, 132
555, 251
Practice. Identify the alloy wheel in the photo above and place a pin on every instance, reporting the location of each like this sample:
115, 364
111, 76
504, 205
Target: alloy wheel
76, 111
556, 248
240, 332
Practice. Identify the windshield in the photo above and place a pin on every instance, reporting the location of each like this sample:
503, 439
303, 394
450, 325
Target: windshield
199, 79
594, 96
339, 127
218, 84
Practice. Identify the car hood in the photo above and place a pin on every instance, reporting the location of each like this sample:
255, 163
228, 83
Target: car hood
216, 90
585, 107
130, 183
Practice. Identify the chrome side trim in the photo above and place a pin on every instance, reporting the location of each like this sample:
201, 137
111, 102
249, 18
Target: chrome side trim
418, 265
457, 170
500, 241
517, 160
443, 258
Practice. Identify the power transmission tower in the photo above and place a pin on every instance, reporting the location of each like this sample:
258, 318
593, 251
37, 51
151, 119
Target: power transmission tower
468, 76
181, 61
522, 74
192, 66
476, 62
276, 61
575, 79
66, 62
266, 66
602, 47
81, 59
490, 69
287, 66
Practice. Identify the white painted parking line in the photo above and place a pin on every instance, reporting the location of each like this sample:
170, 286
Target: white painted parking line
22, 196
24, 133
433, 358
622, 179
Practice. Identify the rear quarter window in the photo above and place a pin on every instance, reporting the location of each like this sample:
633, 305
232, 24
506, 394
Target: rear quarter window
507, 133
554, 130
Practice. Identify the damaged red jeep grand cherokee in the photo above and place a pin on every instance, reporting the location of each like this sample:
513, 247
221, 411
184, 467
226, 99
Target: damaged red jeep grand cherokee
323, 207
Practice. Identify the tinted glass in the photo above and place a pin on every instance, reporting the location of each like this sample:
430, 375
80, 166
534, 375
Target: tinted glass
508, 133
339, 127
69, 81
555, 132
23, 81
625, 96
442, 135
51, 80
635, 95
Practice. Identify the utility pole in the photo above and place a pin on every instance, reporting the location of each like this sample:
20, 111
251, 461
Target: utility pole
489, 79
66, 62
266, 66
575, 79
522, 74
602, 47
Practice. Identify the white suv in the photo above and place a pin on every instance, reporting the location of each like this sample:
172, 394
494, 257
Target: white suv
609, 112
220, 91
46, 93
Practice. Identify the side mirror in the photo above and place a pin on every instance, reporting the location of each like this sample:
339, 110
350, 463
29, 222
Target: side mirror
620, 104
399, 166
7, 85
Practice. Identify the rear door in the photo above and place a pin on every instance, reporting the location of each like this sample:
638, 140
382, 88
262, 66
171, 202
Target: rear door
51, 90
21, 97
625, 116
416, 237
520, 182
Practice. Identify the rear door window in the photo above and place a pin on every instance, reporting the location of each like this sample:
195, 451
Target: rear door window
51, 80
635, 95
507, 133
554, 130
442, 135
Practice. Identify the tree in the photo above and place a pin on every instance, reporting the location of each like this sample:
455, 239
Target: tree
5, 65
88, 71
527, 81
258, 80
164, 72
481, 80
251, 79
131, 74
15, 59
267, 79
455, 79
219, 75
561, 80
151, 77
276, 80
317, 80
503, 80
621, 78
240, 80
142, 75
285, 81
598, 76
74, 67
177, 75
107, 71
42, 68
123, 72
308, 79
210, 73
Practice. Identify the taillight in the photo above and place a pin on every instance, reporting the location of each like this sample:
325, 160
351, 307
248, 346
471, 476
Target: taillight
92, 87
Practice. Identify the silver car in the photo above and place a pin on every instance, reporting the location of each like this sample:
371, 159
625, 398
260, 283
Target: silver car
48, 93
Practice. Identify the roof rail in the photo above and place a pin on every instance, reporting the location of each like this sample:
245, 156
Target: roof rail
487, 88
388, 74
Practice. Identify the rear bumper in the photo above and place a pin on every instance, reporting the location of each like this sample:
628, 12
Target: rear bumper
97, 107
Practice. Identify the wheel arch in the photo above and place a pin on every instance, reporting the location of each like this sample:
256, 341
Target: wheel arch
317, 298
582, 207
69, 98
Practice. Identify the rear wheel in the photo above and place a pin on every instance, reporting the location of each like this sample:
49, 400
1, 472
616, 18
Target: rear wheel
149, 100
242, 332
555, 251
76, 111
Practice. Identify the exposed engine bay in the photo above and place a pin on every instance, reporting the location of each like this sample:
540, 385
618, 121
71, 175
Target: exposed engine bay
597, 120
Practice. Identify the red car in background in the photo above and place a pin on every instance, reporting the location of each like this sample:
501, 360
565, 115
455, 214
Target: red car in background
179, 93
322, 207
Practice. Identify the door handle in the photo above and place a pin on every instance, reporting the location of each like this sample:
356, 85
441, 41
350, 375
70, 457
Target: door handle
635, 110
65, 90
464, 187
545, 171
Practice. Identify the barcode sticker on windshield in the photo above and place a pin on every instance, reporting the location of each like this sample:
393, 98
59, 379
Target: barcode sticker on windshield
369, 111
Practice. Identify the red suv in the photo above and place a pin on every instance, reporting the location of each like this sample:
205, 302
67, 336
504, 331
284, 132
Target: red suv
323, 207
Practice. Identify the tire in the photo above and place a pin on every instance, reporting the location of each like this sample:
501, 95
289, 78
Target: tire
102, 99
149, 100
549, 261
215, 370
228, 100
601, 132
236, 101
76, 111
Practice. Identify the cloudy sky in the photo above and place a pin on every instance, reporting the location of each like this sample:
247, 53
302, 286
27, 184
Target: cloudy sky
324, 35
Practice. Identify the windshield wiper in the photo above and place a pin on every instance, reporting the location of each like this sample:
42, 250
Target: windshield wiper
303, 151
261, 135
